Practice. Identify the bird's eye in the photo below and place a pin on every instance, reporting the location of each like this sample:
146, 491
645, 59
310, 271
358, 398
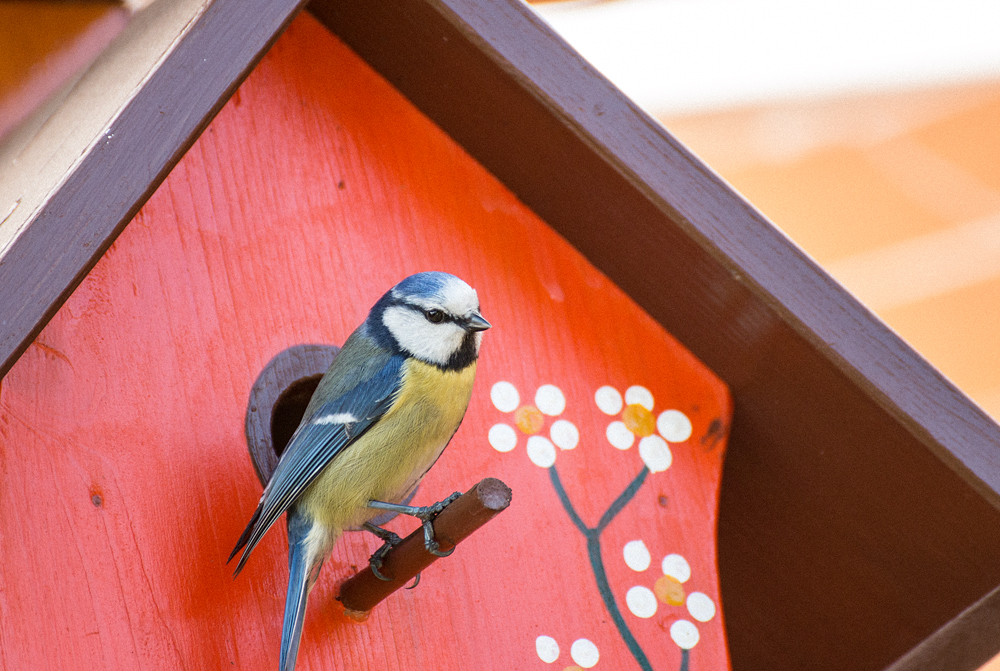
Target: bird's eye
434, 316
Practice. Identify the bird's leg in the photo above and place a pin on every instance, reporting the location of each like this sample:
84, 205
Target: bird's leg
426, 515
389, 541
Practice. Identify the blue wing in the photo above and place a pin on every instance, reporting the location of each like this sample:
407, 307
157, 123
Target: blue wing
315, 444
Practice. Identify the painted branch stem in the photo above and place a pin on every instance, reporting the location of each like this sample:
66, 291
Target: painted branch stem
363, 591
593, 536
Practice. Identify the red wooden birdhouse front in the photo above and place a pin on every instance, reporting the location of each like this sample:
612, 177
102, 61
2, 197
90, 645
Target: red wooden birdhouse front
127, 478
169, 285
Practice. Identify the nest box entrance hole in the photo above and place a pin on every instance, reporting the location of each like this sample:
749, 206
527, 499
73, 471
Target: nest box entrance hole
278, 400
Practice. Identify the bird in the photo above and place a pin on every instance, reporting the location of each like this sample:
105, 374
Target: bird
380, 417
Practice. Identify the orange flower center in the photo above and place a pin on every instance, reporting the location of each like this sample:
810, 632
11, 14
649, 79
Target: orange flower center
639, 420
529, 419
668, 590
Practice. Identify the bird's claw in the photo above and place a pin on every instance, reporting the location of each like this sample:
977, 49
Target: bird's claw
389, 541
430, 543
426, 515
375, 561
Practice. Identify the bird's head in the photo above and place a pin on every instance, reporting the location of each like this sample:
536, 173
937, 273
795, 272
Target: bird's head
432, 316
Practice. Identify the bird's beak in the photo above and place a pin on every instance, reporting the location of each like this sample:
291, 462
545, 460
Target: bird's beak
475, 322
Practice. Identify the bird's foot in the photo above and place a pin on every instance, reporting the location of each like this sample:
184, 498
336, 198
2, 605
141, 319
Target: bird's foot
425, 514
389, 541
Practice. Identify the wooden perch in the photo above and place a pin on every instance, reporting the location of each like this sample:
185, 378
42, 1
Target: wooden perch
363, 591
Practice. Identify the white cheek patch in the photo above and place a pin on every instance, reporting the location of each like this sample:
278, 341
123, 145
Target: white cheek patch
434, 343
336, 418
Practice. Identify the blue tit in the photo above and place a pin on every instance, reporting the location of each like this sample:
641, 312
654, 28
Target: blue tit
379, 419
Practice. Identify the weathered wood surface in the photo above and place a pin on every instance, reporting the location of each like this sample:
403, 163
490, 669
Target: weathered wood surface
71, 183
126, 477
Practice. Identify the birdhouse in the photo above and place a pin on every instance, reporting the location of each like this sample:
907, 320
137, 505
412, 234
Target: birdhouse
718, 458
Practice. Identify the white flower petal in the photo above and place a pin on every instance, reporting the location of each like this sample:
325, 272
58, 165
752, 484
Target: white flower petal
608, 400
550, 400
655, 453
619, 435
541, 452
676, 567
584, 653
505, 397
684, 633
701, 607
564, 434
639, 395
547, 649
641, 601
674, 425
637, 555
503, 438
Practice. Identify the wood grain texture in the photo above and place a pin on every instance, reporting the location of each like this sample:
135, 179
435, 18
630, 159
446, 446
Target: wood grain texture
859, 511
126, 476
118, 172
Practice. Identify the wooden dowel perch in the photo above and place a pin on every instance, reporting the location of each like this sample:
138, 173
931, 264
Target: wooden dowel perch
363, 591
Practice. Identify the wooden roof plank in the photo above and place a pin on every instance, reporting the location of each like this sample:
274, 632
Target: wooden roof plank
120, 168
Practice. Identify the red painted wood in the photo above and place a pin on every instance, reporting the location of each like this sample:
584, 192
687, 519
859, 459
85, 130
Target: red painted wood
126, 479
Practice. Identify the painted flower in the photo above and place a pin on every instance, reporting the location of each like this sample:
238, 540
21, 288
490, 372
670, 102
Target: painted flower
638, 421
668, 589
634, 418
530, 419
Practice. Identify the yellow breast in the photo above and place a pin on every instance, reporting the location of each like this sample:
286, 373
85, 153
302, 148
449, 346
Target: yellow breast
388, 461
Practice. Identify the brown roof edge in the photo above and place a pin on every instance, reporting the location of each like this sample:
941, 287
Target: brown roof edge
966, 642
82, 215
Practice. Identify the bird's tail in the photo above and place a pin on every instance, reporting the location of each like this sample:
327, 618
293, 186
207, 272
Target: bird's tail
304, 562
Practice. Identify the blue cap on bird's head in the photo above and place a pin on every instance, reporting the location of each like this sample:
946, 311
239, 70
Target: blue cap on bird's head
433, 316
428, 283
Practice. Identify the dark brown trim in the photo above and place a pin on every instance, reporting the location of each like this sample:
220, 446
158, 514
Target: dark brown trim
64, 240
858, 509
967, 642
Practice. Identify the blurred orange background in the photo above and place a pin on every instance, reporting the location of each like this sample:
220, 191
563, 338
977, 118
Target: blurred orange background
897, 195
